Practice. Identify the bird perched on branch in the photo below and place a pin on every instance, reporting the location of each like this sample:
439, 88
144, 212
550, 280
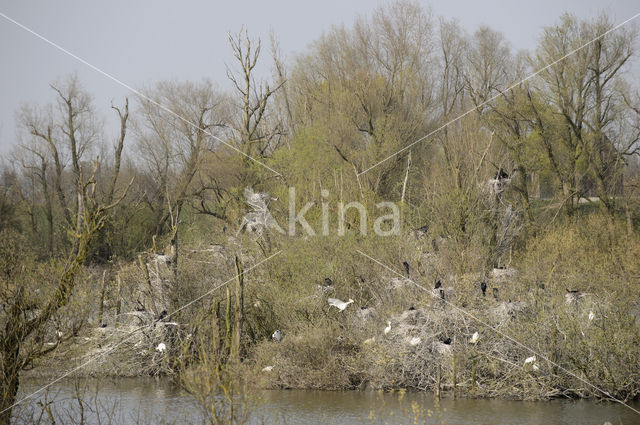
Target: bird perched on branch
406, 267
501, 174
339, 304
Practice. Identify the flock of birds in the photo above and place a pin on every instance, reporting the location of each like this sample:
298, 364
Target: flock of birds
530, 363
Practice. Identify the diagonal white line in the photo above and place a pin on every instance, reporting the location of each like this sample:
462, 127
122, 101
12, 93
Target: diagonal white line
501, 93
498, 331
104, 353
136, 92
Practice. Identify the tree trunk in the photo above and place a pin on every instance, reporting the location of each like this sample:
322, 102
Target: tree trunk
238, 313
9, 379
102, 291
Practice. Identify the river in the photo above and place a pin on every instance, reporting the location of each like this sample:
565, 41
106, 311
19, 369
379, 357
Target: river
151, 401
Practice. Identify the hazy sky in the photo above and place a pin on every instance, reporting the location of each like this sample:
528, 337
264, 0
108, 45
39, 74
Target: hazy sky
140, 42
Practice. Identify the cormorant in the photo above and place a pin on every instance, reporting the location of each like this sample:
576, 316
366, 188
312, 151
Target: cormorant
406, 267
495, 293
442, 294
483, 287
438, 285
328, 281
412, 308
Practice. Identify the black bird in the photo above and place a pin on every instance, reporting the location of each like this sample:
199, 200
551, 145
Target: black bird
162, 314
362, 279
328, 281
104, 325
501, 174
483, 287
446, 340
495, 293
424, 229
412, 308
438, 285
406, 267
442, 294
573, 291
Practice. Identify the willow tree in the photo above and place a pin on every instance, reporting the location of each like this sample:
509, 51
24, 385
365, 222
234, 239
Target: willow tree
29, 306
584, 89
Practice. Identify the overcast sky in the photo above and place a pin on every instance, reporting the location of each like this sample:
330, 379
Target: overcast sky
140, 42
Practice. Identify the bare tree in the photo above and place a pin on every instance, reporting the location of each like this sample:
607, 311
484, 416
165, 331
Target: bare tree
174, 149
256, 138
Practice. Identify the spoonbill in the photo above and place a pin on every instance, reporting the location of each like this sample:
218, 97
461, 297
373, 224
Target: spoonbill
339, 304
532, 362
277, 335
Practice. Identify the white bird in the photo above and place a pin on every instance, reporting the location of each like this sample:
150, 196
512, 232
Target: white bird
388, 328
59, 334
592, 316
532, 362
277, 335
267, 368
161, 347
415, 340
339, 304
369, 340
474, 338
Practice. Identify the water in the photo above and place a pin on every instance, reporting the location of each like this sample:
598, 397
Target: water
149, 401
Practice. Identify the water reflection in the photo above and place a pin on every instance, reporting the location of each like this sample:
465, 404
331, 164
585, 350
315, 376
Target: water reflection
158, 401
